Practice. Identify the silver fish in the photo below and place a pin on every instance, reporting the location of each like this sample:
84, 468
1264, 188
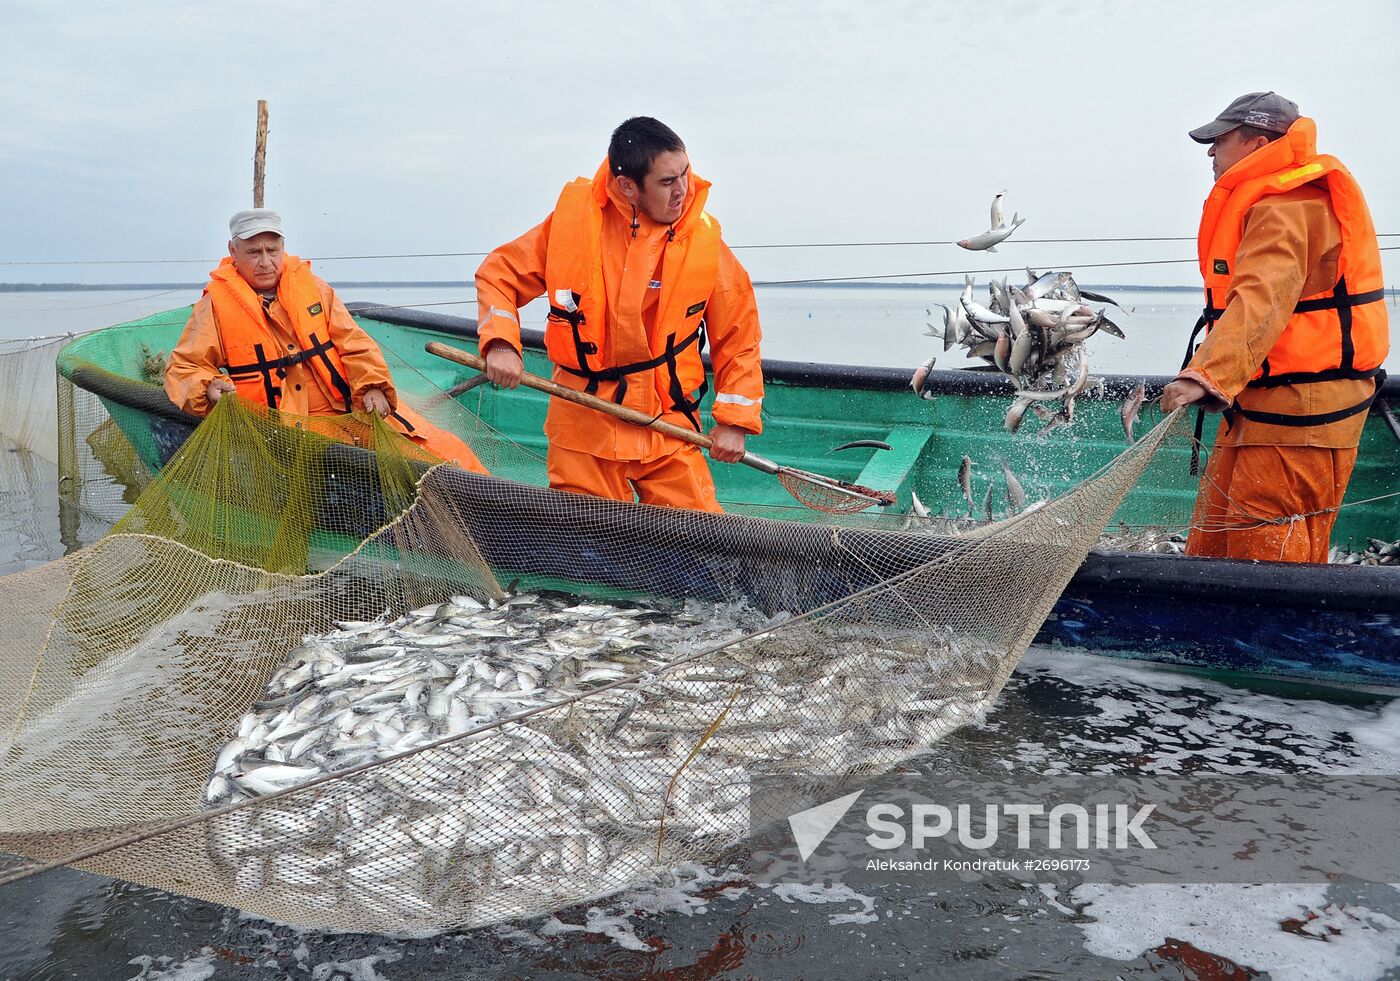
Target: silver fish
978, 314
1015, 493
990, 239
1132, 405
965, 480
1016, 413
920, 376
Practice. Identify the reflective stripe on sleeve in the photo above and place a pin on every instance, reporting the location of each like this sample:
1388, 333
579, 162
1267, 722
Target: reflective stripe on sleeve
498, 312
730, 399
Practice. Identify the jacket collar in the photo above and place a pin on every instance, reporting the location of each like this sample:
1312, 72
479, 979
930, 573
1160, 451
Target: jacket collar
605, 189
1294, 148
226, 272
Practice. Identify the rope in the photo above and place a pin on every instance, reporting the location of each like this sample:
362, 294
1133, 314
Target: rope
974, 272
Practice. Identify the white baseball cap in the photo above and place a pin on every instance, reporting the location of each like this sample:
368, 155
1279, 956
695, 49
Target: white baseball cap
255, 221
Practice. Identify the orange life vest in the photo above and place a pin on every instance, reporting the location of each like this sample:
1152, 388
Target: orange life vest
1341, 333
576, 329
255, 361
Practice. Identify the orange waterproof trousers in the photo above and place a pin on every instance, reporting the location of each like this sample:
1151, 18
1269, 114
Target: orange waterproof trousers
678, 480
1247, 488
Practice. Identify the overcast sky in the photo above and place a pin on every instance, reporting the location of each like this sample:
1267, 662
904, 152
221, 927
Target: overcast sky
449, 127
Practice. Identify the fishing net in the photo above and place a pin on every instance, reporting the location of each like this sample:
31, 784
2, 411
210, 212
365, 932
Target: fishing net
245, 692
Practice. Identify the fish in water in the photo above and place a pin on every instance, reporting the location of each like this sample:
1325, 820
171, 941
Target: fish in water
1132, 405
998, 233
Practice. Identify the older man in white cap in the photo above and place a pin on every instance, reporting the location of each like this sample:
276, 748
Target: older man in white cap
272, 332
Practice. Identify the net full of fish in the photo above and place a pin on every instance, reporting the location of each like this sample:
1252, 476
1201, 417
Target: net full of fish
1376, 552
567, 804
1034, 335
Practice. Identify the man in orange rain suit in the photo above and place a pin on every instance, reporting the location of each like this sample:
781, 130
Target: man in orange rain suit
271, 331
637, 279
1296, 333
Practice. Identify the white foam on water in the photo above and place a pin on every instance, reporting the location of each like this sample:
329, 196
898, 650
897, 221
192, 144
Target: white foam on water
201, 967
1244, 924
359, 969
677, 892
1382, 734
1052, 898
818, 894
680, 892
616, 927
1142, 708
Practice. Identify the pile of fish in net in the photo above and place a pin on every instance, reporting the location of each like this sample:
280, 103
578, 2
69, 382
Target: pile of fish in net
1156, 538
1034, 335
540, 798
1376, 552
1144, 538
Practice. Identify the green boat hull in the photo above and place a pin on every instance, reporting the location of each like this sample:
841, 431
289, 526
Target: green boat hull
1334, 623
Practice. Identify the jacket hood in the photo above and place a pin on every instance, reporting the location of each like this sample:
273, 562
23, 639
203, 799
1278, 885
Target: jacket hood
696, 193
1295, 147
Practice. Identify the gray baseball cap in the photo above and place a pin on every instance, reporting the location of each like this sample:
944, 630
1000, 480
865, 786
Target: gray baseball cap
1268, 111
246, 224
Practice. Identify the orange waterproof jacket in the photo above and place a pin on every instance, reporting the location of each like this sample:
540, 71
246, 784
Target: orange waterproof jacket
230, 310
628, 303
1339, 333
575, 333
303, 354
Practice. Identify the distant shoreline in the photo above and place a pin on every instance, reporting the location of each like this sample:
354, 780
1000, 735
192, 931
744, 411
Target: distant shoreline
463, 285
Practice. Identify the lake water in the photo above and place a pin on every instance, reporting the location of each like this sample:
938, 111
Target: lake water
1062, 711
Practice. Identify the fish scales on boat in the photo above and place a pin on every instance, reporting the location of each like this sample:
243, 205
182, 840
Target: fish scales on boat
1035, 336
575, 793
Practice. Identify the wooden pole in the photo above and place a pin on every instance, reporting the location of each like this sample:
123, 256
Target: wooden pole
260, 155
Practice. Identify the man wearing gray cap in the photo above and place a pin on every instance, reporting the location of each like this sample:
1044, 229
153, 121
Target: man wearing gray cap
274, 333
1295, 334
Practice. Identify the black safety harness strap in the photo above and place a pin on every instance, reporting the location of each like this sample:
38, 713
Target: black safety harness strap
681, 402
1340, 300
266, 367
1316, 419
341, 385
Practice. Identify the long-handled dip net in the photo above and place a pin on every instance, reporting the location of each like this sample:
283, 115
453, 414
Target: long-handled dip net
314, 675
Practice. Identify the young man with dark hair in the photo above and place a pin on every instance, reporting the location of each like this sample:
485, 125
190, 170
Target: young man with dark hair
638, 281
1296, 332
